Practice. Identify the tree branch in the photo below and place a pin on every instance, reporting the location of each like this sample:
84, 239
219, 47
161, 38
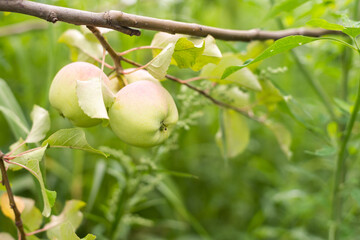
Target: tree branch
5, 182
123, 22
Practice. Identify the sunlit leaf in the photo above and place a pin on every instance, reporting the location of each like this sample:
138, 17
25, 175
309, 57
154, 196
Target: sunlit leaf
71, 214
190, 52
90, 98
211, 53
243, 78
160, 64
66, 232
12, 112
17, 148
186, 53
31, 161
41, 124
235, 137
283, 136
64, 225
352, 31
78, 44
71, 138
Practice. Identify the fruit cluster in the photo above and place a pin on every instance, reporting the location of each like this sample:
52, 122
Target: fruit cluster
142, 113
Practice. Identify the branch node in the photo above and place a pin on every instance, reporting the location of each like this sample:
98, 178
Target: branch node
52, 17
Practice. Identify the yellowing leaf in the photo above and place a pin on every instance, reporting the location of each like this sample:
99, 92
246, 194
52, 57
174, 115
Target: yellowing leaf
5, 206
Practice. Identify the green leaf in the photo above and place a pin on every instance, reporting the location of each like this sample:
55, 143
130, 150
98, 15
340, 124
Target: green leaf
323, 152
211, 53
63, 227
66, 232
19, 149
78, 44
160, 64
90, 98
31, 163
186, 53
71, 138
12, 111
352, 31
31, 215
71, 214
244, 78
98, 177
284, 6
41, 124
270, 96
283, 136
322, 23
193, 52
343, 105
234, 139
18, 127
280, 46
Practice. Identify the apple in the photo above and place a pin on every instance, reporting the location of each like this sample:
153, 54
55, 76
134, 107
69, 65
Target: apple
63, 95
143, 114
139, 75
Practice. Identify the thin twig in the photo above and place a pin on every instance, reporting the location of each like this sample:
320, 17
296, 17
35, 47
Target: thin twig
5, 182
203, 93
124, 22
137, 48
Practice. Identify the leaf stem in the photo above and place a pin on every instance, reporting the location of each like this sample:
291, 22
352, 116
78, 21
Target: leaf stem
137, 48
6, 183
340, 171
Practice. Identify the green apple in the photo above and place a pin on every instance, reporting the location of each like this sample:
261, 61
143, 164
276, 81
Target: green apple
143, 114
63, 95
139, 75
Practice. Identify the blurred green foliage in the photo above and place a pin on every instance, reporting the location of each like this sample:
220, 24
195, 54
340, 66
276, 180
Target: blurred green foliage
260, 194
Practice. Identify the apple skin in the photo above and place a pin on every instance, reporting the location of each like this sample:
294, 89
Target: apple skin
143, 114
63, 95
139, 75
